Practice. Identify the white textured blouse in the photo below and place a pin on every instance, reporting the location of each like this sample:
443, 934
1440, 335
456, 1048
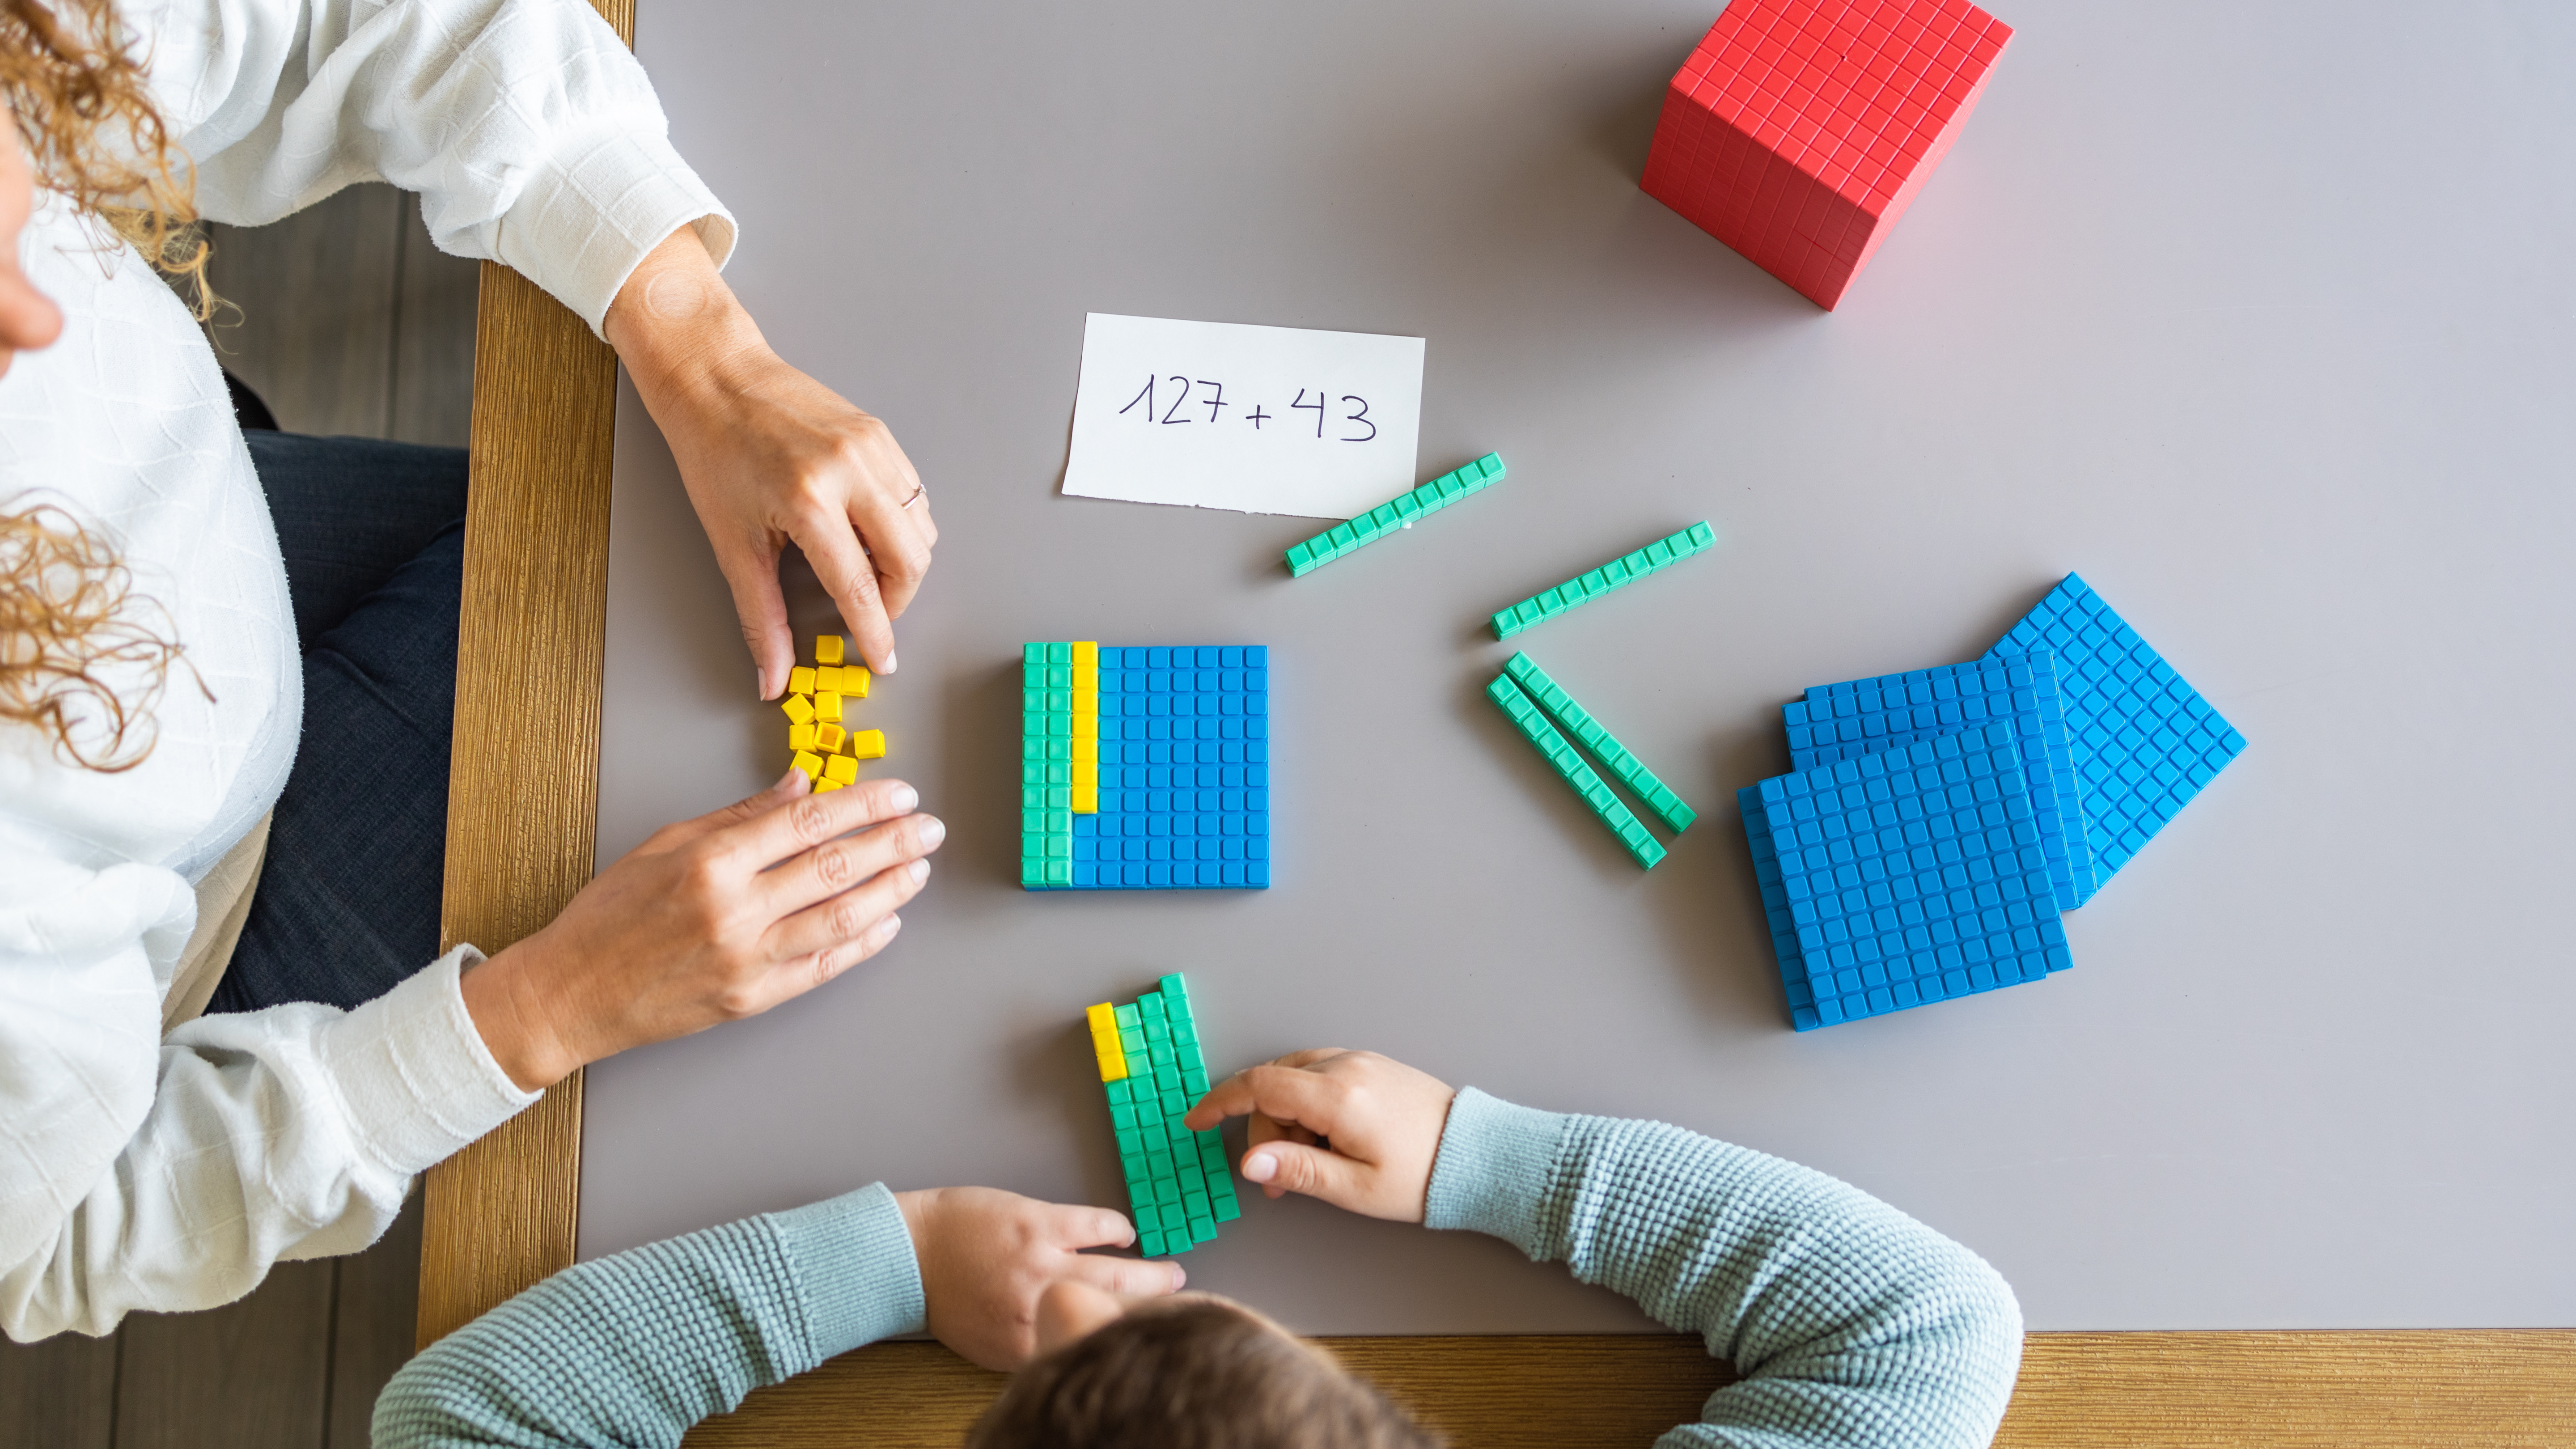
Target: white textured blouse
139, 1171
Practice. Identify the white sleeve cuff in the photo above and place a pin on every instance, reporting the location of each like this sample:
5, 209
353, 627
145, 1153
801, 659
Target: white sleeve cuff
603, 200
413, 1074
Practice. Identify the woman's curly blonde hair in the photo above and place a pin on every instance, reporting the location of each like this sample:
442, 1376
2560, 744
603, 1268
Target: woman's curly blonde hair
83, 657
69, 619
71, 72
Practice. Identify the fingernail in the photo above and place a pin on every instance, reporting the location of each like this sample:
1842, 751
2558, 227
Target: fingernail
889, 664
933, 831
889, 926
1260, 1167
905, 798
1180, 1277
920, 871
764, 682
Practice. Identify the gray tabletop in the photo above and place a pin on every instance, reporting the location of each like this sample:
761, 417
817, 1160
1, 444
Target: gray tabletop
2260, 319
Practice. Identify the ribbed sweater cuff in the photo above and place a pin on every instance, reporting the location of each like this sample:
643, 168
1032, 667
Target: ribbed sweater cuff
855, 1268
1492, 1172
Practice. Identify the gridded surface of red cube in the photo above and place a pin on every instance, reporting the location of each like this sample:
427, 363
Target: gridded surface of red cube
1799, 129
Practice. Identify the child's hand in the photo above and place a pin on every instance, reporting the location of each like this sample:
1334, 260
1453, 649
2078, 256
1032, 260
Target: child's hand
1353, 1128
986, 1255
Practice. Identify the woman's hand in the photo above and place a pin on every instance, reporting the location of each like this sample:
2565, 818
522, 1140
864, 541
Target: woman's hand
711, 919
986, 1256
771, 457
1356, 1129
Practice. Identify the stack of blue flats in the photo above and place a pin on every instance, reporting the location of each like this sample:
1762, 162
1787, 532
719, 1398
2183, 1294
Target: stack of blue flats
1938, 823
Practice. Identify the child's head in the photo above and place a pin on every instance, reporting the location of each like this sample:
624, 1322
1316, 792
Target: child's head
1187, 1372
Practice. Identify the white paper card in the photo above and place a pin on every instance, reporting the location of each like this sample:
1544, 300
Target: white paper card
1256, 419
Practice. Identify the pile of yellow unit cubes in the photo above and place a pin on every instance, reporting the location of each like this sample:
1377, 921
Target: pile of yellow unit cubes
818, 699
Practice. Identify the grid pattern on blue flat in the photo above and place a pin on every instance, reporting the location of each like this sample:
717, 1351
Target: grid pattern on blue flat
1184, 772
2144, 740
1841, 721
1912, 875
1178, 1187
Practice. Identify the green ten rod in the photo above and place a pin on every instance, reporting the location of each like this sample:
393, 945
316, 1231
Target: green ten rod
1619, 572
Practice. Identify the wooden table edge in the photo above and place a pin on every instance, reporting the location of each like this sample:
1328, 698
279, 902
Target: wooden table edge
499, 1216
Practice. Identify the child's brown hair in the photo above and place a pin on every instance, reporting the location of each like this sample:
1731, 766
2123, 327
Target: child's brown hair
1196, 1373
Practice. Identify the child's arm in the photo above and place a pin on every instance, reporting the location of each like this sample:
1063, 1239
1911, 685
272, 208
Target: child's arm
635, 1348
1850, 1323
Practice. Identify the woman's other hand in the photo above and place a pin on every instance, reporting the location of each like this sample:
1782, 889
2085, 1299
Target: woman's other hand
771, 457
711, 919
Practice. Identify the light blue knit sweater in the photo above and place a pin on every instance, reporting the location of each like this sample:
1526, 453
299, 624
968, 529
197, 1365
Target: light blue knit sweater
1850, 1323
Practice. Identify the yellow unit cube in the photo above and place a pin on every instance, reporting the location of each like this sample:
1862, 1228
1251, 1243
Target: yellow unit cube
1086, 800
841, 768
827, 648
828, 737
801, 737
867, 744
828, 783
827, 707
811, 763
1086, 713
850, 680
1104, 1042
800, 680
799, 708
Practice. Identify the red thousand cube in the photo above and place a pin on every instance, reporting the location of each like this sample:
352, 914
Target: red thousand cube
1799, 129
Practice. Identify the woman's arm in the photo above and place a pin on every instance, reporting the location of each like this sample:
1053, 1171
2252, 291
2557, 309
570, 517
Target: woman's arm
526, 126
141, 1173
147, 1173
535, 140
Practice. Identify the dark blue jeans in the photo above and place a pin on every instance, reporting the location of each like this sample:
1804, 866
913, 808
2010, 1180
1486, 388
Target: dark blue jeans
374, 538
